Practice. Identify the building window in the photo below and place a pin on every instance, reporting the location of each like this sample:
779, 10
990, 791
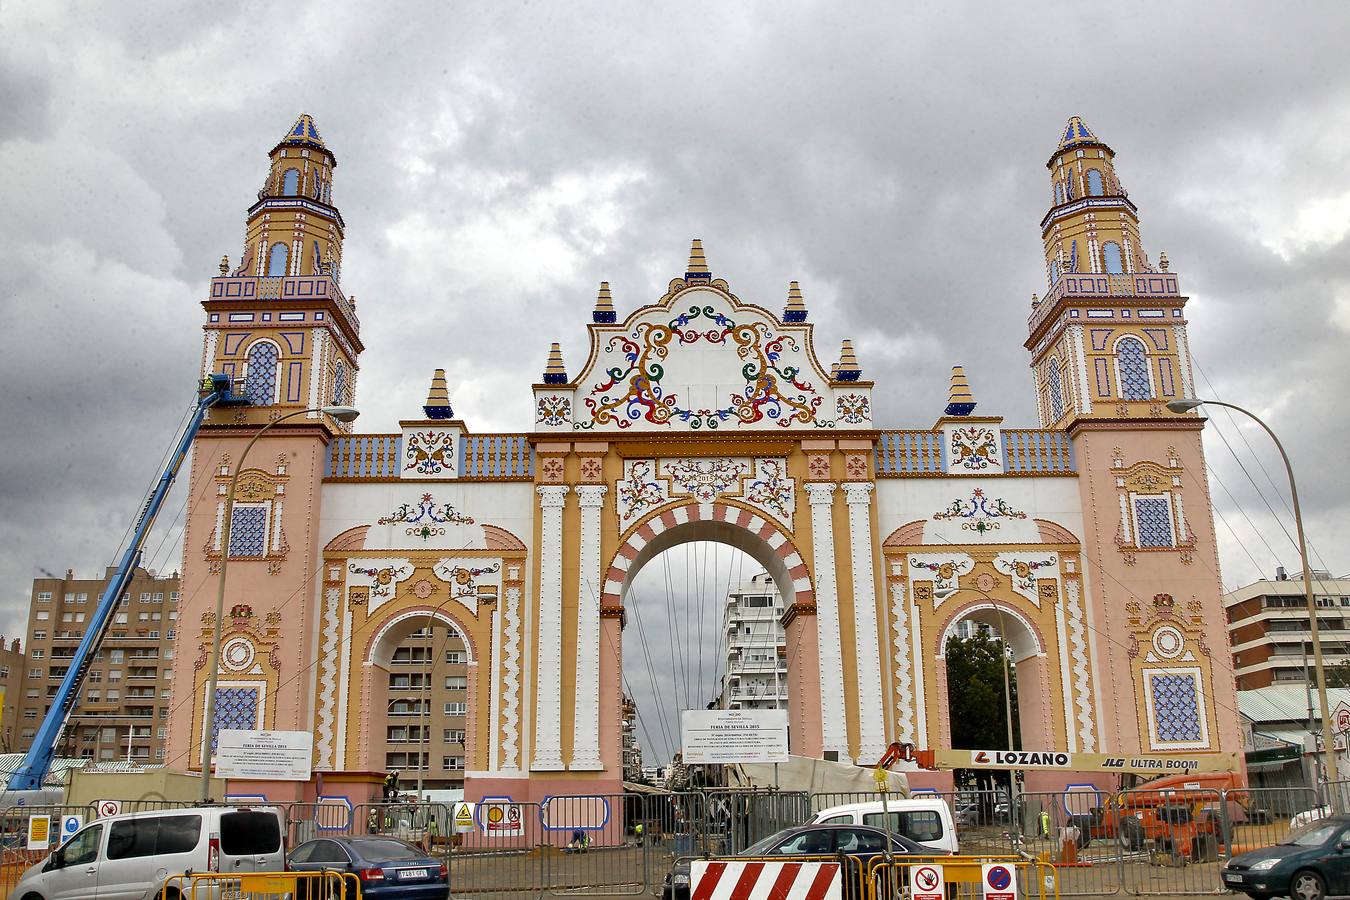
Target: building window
1055, 388
1153, 521
43, 615
456, 683
1115, 263
1132, 370
340, 384
35, 673
290, 182
454, 709
38, 635
38, 654
454, 657
44, 596
261, 387
1095, 186
277, 259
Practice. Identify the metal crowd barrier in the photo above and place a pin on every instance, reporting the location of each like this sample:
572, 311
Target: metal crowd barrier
963, 875
262, 886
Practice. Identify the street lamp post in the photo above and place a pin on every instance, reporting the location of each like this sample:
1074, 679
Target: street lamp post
1328, 744
341, 414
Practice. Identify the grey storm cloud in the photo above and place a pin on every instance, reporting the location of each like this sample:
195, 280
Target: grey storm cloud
496, 161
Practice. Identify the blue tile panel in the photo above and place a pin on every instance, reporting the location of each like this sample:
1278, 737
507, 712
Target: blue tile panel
1176, 708
1153, 519
1133, 361
261, 389
248, 531
236, 707
1037, 450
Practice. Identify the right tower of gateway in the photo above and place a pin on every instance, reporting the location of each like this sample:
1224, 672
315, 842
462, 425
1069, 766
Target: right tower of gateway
1109, 350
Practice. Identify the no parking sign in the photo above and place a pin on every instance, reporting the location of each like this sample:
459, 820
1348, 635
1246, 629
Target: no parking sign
999, 881
70, 825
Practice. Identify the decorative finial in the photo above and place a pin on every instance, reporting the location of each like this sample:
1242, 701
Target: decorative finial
698, 266
960, 401
795, 311
438, 398
848, 370
225, 264
1162, 261
1035, 301
604, 306
554, 373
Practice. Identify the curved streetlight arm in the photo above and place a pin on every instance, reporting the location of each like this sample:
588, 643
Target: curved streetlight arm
1327, 732
342, 414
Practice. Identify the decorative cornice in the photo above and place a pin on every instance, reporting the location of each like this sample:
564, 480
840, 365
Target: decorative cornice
820, 493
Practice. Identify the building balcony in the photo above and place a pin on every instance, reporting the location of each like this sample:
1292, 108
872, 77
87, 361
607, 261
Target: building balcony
1160, 287
297, 289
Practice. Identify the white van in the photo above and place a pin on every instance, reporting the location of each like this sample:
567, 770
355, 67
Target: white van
924, 820
130, 856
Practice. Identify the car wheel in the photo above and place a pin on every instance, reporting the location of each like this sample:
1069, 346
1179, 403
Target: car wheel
1307, 885
1131, 835
1204, 848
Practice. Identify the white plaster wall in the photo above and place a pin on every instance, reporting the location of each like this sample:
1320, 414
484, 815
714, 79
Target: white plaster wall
903, 500
508, 505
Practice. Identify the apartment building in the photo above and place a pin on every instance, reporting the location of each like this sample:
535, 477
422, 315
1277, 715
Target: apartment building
632, 750
756, 648
1268, 628
425, 711
123, 711
13, 665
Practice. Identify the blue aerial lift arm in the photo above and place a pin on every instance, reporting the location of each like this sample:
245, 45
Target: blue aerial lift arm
215, 391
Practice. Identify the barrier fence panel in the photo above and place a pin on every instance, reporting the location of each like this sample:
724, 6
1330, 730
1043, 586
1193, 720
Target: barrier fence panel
592, 846
15, 855
1073, 830
262, 886
1172, 841
505, 853
1259, 817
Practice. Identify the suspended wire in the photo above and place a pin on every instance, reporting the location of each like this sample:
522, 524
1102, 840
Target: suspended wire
124, 541
648, 665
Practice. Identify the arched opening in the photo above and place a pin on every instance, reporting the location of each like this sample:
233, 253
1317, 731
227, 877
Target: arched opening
277, 259
290, 182
1132, 370
704, 601
1095, 185
420, 673
1112, 259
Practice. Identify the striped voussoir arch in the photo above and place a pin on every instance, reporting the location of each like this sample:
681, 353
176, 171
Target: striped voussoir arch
778, 542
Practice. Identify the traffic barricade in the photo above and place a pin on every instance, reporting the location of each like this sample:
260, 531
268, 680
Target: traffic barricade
262, 886
765, 877
959, 878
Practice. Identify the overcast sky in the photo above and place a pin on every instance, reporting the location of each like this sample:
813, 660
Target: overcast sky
496, 161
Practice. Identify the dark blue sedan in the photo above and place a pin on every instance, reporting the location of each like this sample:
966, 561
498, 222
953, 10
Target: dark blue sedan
1313, 863
386, 866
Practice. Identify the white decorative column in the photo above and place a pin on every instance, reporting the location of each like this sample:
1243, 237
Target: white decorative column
833, 727
586, 720
871, 707
548, 663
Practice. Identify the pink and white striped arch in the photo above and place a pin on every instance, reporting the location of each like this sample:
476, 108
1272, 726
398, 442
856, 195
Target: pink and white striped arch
737, 526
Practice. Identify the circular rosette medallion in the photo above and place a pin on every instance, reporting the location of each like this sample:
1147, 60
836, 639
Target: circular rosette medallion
237, 654
1168, 642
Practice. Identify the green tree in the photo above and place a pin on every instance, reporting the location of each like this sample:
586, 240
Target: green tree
1338, 676
975, 699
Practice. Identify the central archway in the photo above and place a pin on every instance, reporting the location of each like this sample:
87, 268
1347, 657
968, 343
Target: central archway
767, 544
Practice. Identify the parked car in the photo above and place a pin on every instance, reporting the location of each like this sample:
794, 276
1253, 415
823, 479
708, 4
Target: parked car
857, 843
387, 867
926, 820
133, 855
1311, 864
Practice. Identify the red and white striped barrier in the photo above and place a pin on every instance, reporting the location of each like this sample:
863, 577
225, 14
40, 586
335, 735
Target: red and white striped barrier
757, 880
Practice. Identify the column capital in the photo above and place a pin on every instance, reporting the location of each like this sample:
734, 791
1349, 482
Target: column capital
858, 493
591, 495
552, 496
820, 493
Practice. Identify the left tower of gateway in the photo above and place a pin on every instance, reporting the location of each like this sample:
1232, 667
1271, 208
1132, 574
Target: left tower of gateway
280, 326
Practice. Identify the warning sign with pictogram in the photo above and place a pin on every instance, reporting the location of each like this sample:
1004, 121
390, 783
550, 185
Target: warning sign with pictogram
501, 819
108, 807
463, 818
926, 882
999, 881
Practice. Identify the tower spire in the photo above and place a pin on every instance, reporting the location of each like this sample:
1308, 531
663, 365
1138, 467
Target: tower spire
1076, 133
795, 311
554, 371
604, 306
848, 369
698, 265
960, 401
438, 398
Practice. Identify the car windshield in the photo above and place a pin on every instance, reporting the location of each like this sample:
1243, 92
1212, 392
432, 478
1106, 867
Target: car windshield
764, 846
1314, 835
386, 850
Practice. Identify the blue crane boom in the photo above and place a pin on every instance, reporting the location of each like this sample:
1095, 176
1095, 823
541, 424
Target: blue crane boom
215, 391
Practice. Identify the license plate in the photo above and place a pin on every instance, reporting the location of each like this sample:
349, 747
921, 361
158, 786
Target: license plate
1232, 878
404, 874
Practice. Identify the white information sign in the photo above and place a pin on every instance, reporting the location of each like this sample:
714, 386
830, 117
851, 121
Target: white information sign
39, 832
734, 736
70, 825
264, 755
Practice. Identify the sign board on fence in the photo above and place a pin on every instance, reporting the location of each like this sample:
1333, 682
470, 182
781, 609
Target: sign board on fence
108, 808
264, 755
463, 821
729, 877
1148, 764
502, 819
70, 825
734, 736
39, 832
926, 882
999, 881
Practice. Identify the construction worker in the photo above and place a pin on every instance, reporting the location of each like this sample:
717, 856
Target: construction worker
1044, 822
390, 786
637, 830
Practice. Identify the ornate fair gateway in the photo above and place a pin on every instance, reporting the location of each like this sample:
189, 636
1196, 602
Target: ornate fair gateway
703, 417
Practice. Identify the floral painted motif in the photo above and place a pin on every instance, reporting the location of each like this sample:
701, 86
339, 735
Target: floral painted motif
852, 409
705, 479
974, 448
425, 519
979, 512
553, 410
639, 490
384, 578
462, 579
945, 571
772, 489
773, 392
1023, 571
430, 452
